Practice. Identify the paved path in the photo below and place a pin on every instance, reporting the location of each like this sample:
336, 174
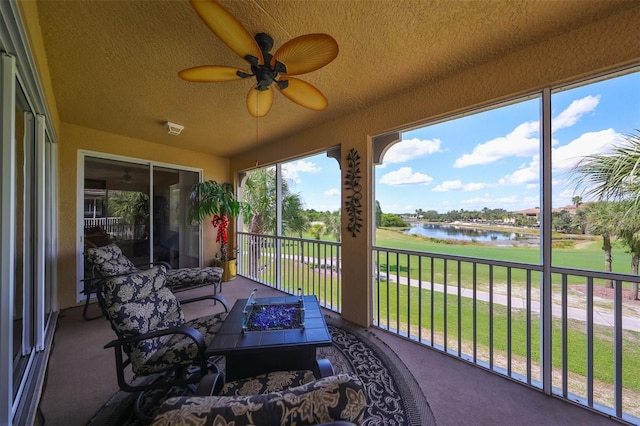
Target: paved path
600, 316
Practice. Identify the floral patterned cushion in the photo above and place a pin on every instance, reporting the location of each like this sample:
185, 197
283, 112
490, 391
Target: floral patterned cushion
267, 383
139, 303
180, 349
339, 397
193, 276
109, 260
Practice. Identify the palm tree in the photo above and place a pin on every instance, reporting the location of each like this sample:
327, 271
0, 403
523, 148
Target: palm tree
577, 201
614, 175
260, 191
602, 219
294, 219
317, 230
333, 224
629, 232
217, 199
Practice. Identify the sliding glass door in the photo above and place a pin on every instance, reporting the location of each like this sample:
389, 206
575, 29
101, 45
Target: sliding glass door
27, 244
142, 207
175, 240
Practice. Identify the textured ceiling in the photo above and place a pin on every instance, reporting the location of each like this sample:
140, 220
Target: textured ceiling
114, 64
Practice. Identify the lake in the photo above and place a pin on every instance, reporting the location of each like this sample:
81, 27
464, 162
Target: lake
453, 232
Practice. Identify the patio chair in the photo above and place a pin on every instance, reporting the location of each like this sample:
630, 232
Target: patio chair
108, 260
283, 397
153, 338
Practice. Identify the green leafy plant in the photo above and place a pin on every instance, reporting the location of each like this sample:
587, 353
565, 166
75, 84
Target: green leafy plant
210, 198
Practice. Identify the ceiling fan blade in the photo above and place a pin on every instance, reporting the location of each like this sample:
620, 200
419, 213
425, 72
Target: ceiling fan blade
227, 28
306, 53
209, 73
259, 102
304, 94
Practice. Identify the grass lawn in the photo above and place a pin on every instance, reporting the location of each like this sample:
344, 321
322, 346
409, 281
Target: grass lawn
405, 308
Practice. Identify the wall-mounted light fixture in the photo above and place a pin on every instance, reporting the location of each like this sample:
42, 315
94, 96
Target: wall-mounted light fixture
173, 128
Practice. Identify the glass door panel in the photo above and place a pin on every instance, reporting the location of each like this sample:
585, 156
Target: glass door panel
175, 240
116, 207
19, 326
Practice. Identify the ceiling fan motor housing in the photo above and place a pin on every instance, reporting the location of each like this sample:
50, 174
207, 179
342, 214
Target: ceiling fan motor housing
266, 74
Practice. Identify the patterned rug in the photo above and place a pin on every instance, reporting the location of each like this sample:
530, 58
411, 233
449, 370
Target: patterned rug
394, 396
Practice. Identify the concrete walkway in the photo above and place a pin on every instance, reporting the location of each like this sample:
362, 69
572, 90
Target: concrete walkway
600, 316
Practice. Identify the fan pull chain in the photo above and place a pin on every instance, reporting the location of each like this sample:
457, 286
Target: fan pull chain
256, 165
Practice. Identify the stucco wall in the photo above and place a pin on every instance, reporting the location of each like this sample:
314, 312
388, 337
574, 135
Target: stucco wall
73, 138
606, 45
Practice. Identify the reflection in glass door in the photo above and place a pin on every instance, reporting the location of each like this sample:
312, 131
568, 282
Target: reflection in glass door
175, 239
143, 208
116, 207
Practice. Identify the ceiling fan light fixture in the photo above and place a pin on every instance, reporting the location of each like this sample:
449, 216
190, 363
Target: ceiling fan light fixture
173, 128
300, 55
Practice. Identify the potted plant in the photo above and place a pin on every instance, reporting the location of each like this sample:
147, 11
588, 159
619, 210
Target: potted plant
210, 198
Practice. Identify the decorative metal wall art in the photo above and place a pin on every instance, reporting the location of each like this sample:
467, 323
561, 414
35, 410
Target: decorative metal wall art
352, 183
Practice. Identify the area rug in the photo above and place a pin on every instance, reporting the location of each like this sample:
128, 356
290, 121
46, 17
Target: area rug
394, 396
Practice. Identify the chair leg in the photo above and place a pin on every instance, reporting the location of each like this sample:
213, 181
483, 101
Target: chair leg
146, 403
85, 315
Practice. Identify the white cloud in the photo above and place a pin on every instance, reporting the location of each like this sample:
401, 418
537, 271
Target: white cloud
518, 143
395, 208
332, 191
405, 176
456, 185
567, 156
411, 149
292, 170
524, 141
489, 201
526, 174
575, 111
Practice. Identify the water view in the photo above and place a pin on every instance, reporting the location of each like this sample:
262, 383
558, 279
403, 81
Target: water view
453, 232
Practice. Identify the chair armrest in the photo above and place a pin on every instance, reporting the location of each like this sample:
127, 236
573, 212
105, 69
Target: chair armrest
217, 298
161, 262
194, 334
210, 385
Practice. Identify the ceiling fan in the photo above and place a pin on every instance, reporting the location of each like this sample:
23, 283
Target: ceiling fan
299, 55
126, 178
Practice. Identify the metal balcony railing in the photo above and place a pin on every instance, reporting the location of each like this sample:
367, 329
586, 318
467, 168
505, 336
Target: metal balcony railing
489, 313
118, 229
293, 264
584, 347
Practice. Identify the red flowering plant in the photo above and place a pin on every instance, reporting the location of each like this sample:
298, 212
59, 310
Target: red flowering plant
217, 199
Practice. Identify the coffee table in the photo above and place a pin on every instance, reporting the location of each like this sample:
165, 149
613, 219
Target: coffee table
250, 353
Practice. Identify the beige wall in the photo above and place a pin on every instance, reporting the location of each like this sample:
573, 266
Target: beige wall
74, 138
603, 46
29, 14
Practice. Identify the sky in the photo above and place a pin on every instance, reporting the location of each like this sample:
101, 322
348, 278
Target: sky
486, 159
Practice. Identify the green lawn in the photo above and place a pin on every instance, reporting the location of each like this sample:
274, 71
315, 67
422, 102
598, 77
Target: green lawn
410, 312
